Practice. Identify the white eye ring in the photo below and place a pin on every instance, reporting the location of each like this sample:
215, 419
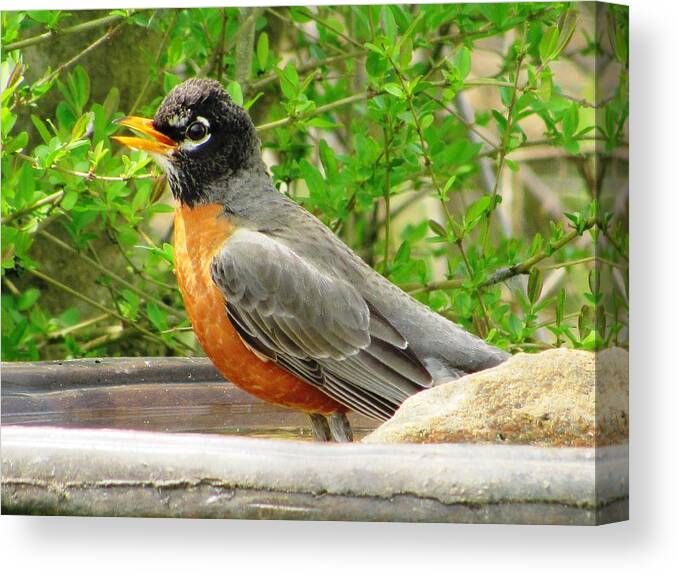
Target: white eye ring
188, 144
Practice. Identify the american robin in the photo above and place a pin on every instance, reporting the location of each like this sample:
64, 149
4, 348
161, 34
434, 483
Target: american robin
282, 307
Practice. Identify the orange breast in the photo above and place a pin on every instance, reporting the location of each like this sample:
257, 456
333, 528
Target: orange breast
199, 233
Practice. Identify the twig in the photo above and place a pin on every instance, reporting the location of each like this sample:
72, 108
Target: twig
10, 285
503, 150
54, 198
63, 287
387, 192
219, 54
158, 54
596, 259
324, 24
93, 46
470, 126
83, 27
78, 326
485, 326
244, 44
303, 68
116, 278
504, 274
115, 334
319, 110
615, 244
87, 175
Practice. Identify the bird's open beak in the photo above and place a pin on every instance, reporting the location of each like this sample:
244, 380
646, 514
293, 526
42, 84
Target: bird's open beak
159, 144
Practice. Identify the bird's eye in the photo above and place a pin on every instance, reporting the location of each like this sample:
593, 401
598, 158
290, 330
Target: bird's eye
196, 131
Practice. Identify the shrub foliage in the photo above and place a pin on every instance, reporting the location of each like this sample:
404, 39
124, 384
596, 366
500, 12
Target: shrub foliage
468, 152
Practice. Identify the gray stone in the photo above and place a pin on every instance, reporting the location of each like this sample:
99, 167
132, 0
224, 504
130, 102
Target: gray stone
560, 397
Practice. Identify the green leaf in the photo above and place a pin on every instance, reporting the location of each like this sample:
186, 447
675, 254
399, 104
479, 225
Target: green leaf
289, 81
403, 253
376, 65
262, 50
438, 300
571, 121
437, 229
41, 128
235, 91
476, 210
549, 43
406, 52
515, 326
314, 179
299, 14
320, 122
79, 81
374, 48
546, 85
585, 322
566, 27
328, 159
27, 299
535, 284
395, 90
462, 61
537, 243
157, 316
592, 341
449, 183
112, 102
69, 200
168, 252
389, 23
594, 281
170, 81
26, 189
513, 166
15, 144
69, 317
496, 13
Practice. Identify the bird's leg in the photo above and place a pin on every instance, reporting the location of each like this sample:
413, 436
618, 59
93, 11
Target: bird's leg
321, 429
340, 427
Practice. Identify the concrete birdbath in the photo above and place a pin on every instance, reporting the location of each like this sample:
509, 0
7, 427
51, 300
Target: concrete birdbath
168, 437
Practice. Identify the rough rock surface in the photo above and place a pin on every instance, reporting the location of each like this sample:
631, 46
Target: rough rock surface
560, 397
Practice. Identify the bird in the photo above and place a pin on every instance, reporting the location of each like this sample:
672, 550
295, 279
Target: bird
283, 308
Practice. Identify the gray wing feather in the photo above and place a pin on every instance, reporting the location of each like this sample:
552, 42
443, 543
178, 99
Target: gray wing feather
316, 326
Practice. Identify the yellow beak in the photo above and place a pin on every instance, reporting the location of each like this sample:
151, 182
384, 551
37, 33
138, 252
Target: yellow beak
160, 144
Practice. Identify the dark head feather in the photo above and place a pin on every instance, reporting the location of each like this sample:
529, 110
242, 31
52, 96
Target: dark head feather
231, 143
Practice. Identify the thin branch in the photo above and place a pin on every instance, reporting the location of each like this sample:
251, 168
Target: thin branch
113, 335
596, 259
307, 67
221, 50
90, 176
63, 287
83, 27
387, 192
78, 326
503, 150
620, 250
116, 278
504, 274
244, 44
441, 195
10, 286
93, 46
319, 110
54, 198
468, 125
325, 25
158, 54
